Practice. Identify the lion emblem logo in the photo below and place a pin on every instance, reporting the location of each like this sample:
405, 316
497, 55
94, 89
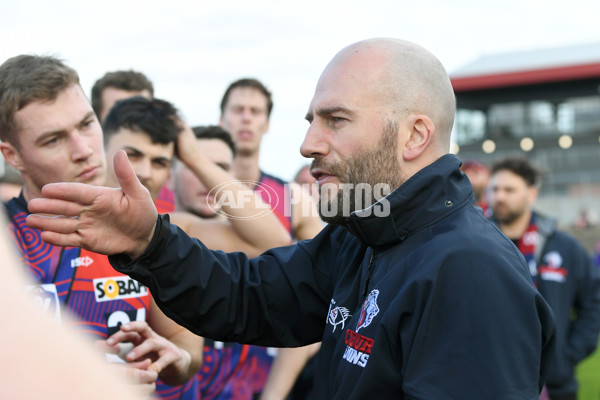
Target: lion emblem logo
369, 310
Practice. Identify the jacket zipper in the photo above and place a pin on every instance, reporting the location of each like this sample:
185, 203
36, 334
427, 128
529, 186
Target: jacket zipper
369, 273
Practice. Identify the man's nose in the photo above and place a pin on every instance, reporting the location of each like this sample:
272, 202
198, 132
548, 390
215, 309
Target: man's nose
316, 143
142, 169
246, 114
80, 148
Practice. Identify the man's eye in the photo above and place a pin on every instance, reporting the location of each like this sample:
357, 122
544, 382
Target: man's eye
337, 120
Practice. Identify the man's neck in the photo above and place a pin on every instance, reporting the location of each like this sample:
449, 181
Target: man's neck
29, 194
245, 167
517, 228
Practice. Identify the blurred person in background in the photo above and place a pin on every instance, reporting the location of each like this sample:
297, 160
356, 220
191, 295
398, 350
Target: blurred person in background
119, 85
479, 176
559, 265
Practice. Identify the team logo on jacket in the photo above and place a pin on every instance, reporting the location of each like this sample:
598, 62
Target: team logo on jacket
117, 288
551, 268
369, 310
358, 348
337, 315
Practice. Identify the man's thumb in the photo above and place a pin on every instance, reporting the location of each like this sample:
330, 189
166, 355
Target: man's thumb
128, 181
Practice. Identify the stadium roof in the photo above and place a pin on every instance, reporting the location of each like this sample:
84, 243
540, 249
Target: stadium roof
529, 67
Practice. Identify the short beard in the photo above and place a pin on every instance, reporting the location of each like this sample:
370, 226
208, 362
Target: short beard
507, 219
510, 215
375, 166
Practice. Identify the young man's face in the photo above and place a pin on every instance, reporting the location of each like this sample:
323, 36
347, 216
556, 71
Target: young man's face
111, 95
245, 117
510, 196
151, 161
58, 141
191, 194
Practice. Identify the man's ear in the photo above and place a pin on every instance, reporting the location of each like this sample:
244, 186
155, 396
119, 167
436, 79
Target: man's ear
533, 194
421, 130
11, 155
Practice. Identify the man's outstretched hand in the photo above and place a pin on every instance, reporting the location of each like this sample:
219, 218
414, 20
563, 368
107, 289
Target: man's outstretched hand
100, 219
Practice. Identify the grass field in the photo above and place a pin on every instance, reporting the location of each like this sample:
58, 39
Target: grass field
588, 375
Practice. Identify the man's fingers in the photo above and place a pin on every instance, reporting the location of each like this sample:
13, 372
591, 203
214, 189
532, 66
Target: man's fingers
61, 225
143, 364
142, 350
145, 379
163, 361
137, 326
54, 206
120, 336
71, 191
126, 176
104, 347
62, 240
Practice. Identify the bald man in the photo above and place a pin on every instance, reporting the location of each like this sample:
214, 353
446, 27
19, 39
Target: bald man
412, 292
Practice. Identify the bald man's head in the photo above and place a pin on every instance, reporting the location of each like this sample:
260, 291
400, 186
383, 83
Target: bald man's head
407, 79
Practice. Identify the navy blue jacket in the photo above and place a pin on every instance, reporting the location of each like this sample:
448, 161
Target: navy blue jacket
570, 283
429, 301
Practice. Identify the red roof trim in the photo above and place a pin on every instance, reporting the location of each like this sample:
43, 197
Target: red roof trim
468, 83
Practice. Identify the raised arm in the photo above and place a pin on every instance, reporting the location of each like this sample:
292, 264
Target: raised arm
253, 227
305, 216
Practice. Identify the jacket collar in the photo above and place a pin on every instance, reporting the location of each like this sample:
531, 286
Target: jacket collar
428, 196
545, 225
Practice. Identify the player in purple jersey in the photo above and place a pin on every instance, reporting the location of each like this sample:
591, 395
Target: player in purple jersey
50, 134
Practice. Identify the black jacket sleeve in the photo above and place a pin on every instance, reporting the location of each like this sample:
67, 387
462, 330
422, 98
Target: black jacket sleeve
278, 299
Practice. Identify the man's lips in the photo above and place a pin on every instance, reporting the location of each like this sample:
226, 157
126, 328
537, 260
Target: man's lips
88, 173
322, 177
245, 135
499, 208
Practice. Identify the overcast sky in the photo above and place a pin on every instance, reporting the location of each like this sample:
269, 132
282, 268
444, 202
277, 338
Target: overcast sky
192, 50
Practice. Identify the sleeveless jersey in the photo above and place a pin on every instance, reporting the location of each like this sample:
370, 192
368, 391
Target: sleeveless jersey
276, 193
165, 201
